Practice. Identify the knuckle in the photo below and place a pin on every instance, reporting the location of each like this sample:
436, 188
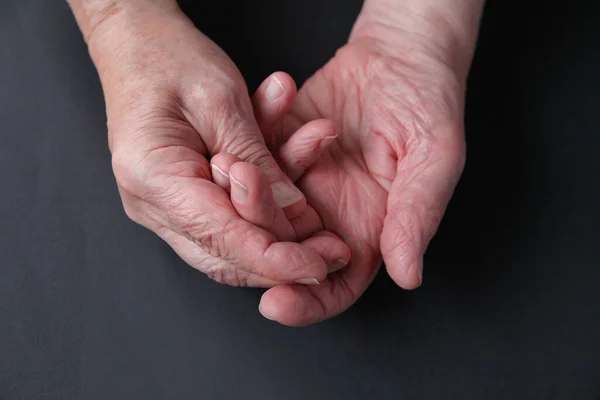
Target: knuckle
228, 101
140, 213
216, 274
249, 148
140, 175
228, 275
211, 244
222, 102
231, 118
252, 150
211, 237
129, 175
221, 83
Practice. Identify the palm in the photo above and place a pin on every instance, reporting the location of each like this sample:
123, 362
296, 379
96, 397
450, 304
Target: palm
399, 136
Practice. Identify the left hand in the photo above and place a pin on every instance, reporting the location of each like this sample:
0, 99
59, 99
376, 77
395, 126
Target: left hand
384, 184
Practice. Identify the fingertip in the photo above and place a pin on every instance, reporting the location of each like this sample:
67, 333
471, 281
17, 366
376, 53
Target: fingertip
408, 276
274, 98
284, 79
326, 131
326, 127
401, 248
267, 310
337, 265
306, 146
298, 263
297, 305
220, 165
286, 305
331, 248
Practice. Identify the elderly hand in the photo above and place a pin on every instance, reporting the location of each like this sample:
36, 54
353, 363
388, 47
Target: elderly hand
173, 100
395, 94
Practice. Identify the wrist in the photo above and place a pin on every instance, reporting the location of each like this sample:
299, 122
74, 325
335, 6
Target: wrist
123, 37
154, 56
113, 28
444, 29
92, 14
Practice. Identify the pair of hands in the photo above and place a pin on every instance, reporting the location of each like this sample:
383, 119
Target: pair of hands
361, 162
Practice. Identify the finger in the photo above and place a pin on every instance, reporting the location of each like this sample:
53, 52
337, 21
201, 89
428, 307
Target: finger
306, 224
229, 126
271, 102
305, 147
253, 201
204, 214
196, 257
252, 198
219, 270
295, 305
183, 200
331, 248
303, 225
414, 210
248, 145
220, 165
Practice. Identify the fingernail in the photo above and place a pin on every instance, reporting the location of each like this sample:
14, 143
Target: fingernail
241, 193
337, 265
420, 271
285, 195
274, 89
326, 141
219, 176
308, 281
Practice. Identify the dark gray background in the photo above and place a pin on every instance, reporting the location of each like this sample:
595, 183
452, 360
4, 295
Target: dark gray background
95, 307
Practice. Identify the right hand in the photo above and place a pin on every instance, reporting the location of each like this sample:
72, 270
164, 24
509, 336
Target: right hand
173, 100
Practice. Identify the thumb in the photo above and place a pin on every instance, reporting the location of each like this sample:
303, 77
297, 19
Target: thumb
416, 205
244, 140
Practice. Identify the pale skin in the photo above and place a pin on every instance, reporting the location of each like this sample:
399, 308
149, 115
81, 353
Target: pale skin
212, 171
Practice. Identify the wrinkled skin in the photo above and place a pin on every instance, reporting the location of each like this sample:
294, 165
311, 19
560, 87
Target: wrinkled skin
384, 184
174, 99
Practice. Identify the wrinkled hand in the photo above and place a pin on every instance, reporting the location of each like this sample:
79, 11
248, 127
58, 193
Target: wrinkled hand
174, 99
383, 185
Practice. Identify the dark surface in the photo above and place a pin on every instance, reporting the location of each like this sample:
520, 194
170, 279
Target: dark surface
95, 307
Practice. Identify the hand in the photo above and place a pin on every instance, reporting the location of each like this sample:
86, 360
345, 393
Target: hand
383, 185
173, 100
